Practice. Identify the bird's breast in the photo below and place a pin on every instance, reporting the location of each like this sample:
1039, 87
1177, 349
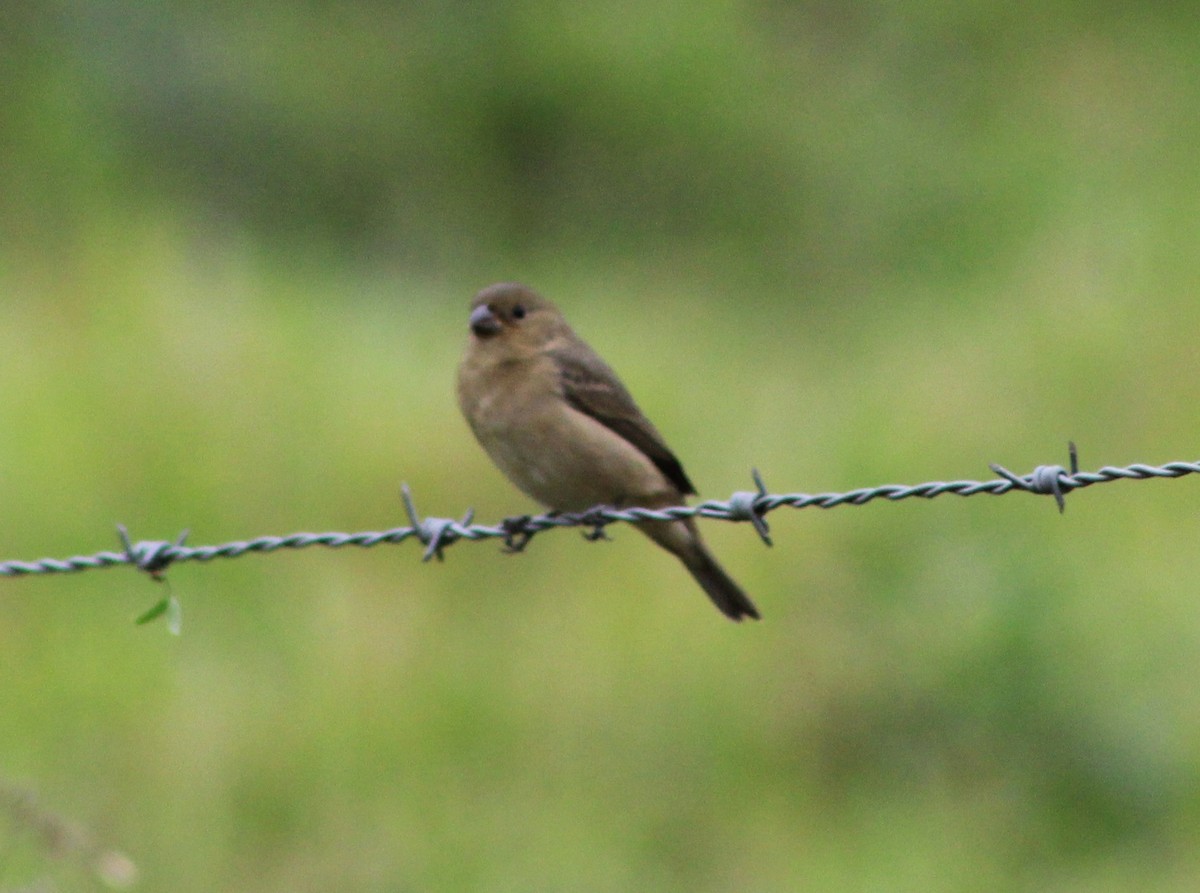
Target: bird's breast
563, 458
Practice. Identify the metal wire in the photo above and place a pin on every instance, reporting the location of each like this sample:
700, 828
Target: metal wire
436, 534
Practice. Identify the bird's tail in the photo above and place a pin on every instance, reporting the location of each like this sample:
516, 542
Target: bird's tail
683, 539
726, 594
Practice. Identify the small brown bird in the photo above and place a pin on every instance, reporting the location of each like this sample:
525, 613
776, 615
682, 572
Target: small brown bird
558, 422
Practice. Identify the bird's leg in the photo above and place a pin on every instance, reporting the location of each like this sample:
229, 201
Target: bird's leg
517, 534
594, 518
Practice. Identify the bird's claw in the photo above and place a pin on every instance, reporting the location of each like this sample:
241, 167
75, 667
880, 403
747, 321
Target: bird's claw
517, 534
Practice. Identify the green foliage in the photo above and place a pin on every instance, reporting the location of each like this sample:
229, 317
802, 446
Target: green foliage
846, 244
167, 607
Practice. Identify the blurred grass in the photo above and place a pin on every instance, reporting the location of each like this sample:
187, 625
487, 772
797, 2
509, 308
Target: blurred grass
844, 244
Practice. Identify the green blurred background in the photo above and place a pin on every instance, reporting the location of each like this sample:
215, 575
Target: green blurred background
847, 243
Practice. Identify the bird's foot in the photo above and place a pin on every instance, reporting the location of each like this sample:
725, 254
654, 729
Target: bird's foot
517, 533
596, 520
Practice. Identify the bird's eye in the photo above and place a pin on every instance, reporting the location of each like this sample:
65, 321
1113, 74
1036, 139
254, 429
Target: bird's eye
518, 312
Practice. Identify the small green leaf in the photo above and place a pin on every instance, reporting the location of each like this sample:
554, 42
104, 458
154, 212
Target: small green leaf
159, 608
174, 615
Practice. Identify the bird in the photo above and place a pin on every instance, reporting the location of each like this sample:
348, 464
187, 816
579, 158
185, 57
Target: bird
559, 424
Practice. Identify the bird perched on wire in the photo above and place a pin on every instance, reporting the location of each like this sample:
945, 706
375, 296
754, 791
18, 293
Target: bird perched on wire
557, 421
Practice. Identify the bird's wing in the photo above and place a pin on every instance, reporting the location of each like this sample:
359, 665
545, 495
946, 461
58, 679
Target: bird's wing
590, 386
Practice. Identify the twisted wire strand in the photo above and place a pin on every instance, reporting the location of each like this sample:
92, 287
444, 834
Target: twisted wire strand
436, 534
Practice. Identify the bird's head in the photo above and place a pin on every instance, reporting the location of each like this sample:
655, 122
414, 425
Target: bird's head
515, 313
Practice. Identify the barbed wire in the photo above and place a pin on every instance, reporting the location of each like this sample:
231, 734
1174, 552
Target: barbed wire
436, 534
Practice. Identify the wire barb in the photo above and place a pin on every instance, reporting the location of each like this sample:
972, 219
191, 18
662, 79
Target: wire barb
436, 534
151, 556
1046, 480
746, 505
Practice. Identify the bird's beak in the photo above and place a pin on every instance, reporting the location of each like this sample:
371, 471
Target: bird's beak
483, 322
